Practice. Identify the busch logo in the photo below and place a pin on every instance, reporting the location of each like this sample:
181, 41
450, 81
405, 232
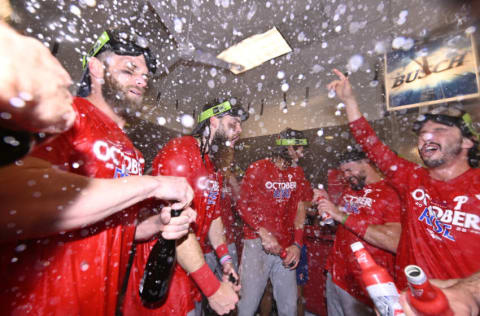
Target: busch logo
441, 219
124, 164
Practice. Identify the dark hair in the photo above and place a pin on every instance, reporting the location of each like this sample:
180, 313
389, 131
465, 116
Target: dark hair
454, 117
119, 42
351, 155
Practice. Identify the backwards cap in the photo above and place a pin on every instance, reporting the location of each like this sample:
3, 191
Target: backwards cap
450, 116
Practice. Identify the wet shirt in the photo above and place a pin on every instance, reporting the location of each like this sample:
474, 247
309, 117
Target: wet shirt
76, 272
376, 204
441, 219
268, 200
180, 157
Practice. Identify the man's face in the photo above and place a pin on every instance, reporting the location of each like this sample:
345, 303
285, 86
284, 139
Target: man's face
296, 152
229, 129
355, 174
125, 82
439, 144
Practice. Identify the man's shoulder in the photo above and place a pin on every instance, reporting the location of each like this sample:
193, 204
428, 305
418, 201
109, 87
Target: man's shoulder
183, 143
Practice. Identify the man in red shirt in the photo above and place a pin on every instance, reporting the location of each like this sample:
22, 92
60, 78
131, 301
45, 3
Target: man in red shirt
273, 226
367, 201
74, 260
441, 217
191, 157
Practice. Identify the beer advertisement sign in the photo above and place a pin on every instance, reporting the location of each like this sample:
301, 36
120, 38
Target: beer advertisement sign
440, 71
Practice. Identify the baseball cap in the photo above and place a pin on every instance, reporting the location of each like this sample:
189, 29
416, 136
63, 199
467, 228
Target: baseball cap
220, 108
351, 155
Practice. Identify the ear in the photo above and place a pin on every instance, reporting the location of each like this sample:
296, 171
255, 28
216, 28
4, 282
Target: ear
214, 122
467, 143
96, 68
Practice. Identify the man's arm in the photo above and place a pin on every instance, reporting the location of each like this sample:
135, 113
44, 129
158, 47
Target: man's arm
293, 251
38, 199
463, 296
385, 236
221, 295
216, 236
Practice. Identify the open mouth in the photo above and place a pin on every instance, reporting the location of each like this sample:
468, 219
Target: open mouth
429, 149
136, 92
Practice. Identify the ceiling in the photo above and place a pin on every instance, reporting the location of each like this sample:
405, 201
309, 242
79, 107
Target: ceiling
323, 34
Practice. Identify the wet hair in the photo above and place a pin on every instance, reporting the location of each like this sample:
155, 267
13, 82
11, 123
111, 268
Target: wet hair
120, 42
452, 116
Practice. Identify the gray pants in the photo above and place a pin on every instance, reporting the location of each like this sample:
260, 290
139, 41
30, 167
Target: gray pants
340, 303
255, 270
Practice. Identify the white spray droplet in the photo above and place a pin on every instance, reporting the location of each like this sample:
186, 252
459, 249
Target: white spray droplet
161, 120
331, 94
187, 121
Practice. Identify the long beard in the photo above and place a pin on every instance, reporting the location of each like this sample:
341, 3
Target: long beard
116, 96
220, 151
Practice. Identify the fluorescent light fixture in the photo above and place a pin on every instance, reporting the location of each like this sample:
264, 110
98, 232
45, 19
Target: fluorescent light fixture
255, 50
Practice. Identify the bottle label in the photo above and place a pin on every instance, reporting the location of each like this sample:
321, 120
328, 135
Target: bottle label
386, 299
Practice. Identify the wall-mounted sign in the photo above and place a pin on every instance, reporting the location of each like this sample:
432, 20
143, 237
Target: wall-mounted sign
436, 72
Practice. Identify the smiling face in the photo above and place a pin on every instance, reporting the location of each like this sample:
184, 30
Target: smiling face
440, 144
355, 174
229, 129
125, 82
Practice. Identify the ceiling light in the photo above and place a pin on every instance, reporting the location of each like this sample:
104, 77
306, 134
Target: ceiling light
255, 50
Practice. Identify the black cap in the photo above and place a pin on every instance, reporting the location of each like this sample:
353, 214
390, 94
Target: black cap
351, 155
219, 108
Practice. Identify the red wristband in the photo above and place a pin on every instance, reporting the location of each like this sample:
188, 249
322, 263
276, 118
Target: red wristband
299, 236
221, 250
357, 225
206, 280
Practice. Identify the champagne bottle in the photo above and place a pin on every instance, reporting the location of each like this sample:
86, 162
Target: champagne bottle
379, 283
423, 296
158, 271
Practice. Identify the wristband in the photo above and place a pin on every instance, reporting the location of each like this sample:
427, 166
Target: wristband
225, 258
357, 224
206, 280
221, 250
298, 237
344, 219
